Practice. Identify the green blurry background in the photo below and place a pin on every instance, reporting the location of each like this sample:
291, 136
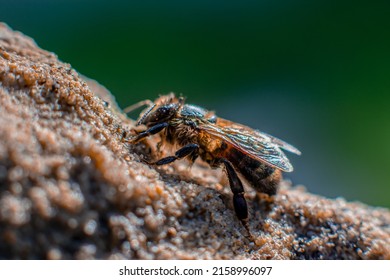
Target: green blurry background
314, 73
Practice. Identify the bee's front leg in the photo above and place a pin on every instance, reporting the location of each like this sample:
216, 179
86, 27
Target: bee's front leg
239, 201
187, 150
150, 131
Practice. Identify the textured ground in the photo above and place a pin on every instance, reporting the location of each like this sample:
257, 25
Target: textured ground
71, 188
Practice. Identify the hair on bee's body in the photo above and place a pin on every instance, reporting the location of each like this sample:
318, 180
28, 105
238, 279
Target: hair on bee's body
200, 133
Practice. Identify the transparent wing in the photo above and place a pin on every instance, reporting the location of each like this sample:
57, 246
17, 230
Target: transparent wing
255, 144
281, 143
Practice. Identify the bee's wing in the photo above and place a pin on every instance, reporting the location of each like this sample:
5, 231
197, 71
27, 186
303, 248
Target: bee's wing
281, 143
253, 143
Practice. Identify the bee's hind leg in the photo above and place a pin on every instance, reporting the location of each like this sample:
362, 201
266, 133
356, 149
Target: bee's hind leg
239, 201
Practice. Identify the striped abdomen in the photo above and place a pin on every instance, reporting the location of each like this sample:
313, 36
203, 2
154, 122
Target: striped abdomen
264, 178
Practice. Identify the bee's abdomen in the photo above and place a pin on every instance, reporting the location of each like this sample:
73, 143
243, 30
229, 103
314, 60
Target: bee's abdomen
262, 177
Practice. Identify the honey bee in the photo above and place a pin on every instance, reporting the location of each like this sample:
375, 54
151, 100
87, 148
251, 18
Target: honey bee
255, 155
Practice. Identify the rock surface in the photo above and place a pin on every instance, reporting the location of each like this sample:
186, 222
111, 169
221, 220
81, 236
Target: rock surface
72, 188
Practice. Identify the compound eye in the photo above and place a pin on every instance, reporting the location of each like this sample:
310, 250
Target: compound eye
165, 111
162, 113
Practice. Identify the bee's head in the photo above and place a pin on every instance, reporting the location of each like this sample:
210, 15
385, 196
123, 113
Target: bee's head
163, 109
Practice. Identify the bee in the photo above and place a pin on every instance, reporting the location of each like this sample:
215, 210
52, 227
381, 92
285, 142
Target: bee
256, 155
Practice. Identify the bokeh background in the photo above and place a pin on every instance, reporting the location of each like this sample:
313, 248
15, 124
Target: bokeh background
313, 73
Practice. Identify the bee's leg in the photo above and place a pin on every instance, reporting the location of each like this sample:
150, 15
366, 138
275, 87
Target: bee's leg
187, 150
239, 202
137, 105
153, 130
